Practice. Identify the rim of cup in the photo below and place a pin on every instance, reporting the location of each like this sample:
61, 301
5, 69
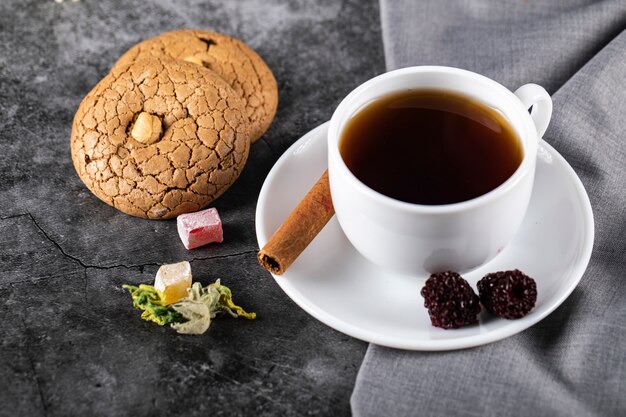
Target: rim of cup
529, 146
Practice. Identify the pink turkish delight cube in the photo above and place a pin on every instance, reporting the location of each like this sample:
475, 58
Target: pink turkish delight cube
199, 228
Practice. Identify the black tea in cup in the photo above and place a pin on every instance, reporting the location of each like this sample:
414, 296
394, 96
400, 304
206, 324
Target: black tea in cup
430, 147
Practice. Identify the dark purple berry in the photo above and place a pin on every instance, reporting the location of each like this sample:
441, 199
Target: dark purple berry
508, 294
450, 301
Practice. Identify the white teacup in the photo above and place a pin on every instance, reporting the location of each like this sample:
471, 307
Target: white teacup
419, 239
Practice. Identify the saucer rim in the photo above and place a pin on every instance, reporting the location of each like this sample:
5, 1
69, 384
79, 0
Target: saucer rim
438, 344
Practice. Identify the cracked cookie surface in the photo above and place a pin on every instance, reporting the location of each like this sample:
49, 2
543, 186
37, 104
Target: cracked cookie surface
229, 57
160, 137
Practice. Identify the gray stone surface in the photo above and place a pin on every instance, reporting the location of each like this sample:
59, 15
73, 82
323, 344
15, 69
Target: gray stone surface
70, 341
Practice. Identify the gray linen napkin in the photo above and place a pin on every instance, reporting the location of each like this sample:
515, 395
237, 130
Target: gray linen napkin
573, 363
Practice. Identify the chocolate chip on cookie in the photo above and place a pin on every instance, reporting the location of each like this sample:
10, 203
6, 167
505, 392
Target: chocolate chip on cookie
232, 59
159, 137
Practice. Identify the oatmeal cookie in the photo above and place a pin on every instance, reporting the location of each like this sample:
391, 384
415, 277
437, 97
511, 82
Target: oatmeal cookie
229, 57
160, 137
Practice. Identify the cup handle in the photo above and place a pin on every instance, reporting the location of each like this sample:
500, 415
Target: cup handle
536, 96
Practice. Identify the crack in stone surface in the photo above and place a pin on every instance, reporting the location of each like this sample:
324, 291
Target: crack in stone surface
208, 258
107, 267
13, 216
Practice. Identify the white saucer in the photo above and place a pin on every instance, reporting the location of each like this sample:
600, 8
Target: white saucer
335, 284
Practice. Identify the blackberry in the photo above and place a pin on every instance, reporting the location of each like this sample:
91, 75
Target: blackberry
508, 294
450, 300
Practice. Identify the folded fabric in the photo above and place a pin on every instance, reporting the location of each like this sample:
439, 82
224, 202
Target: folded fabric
573, 363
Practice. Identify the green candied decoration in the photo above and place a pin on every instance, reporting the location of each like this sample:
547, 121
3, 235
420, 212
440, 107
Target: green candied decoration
226, 302
146, 298
198, 308
202, 304
197, 315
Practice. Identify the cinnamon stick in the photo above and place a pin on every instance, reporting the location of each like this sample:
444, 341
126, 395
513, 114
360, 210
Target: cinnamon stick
298, 230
